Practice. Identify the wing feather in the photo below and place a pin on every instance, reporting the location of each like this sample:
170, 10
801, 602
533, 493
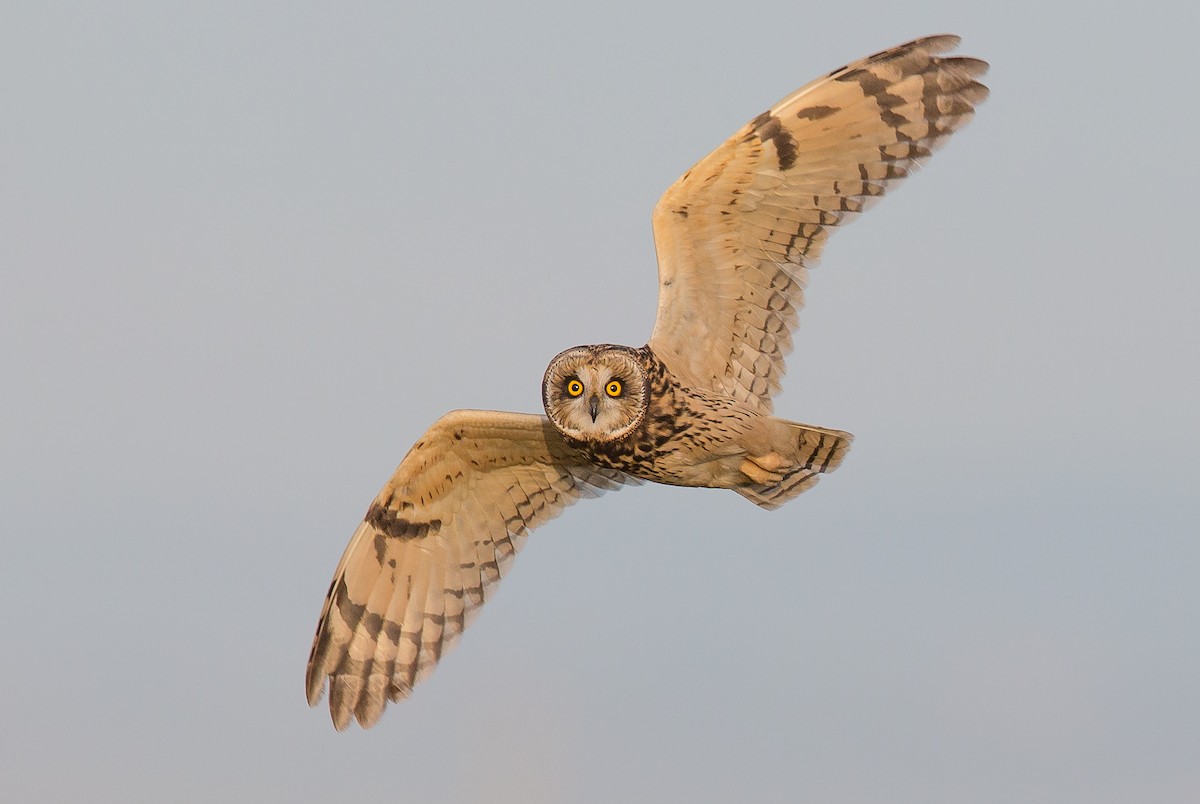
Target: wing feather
735, 234
432, 546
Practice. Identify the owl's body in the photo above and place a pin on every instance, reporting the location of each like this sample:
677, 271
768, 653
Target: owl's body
691, 437
693, 407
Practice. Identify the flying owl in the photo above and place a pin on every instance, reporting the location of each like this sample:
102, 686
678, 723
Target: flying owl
692, 407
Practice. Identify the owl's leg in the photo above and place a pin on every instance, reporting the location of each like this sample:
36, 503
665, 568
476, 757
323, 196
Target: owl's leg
763, 469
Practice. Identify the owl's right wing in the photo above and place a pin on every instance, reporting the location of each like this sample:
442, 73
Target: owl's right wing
735, 234
431, 549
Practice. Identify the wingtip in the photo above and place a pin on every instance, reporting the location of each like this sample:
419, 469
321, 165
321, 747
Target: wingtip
341, 700
314, 685
938, 43
340, 718
967, 65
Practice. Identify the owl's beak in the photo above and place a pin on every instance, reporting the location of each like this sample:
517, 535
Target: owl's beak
594, 406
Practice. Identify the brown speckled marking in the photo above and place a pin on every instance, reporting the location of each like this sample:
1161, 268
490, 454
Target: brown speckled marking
394, 526
816, 112
768, 127
680, 423
877, 88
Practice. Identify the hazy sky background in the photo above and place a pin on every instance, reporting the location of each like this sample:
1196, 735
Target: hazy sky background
249, 251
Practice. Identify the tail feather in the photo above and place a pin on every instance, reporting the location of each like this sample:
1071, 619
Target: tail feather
775, 495
821, 449
818, 450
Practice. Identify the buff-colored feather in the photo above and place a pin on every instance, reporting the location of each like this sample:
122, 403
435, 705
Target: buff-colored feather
434, 542
736, 233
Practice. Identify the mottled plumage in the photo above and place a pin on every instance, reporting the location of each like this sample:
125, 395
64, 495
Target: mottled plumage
691, 437
693, 407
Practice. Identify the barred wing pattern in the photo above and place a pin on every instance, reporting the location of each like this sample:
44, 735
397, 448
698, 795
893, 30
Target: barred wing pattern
734, 235
431, 549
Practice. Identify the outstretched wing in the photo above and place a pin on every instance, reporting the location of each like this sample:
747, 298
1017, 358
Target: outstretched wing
431, 549
735, 233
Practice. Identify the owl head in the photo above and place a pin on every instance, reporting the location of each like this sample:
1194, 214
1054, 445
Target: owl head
596, 393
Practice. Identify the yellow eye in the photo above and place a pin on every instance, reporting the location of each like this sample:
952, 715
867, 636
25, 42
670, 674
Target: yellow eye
613, 388
574, 388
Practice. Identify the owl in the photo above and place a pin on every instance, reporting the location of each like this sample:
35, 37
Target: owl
693, 407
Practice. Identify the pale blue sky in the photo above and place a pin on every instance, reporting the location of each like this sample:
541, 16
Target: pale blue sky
250, 251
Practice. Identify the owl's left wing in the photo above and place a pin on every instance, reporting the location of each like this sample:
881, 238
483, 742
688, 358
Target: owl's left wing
735, 234
431, 549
